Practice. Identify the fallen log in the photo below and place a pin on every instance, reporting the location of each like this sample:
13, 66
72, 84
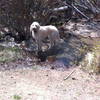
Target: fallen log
66, 8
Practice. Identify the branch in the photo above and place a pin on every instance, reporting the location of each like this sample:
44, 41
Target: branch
77, 10
69, 75
59, 9
66, 7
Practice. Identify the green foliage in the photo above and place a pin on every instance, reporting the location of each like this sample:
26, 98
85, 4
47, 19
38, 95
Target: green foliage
17, 97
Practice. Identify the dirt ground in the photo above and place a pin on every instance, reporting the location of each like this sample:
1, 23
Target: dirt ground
27, 81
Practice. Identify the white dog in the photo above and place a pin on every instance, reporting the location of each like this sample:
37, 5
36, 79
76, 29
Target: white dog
39, 33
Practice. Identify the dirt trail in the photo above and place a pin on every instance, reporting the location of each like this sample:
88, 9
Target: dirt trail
36, 83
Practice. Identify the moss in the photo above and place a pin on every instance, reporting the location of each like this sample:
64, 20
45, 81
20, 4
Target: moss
10, 54
17, 97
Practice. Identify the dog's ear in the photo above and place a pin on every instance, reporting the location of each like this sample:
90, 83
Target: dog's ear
30, 29
37, 26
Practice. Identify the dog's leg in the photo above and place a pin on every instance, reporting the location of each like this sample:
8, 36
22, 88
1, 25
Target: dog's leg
51, 41
39, 42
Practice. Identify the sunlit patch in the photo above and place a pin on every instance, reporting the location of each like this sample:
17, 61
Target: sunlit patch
90, 57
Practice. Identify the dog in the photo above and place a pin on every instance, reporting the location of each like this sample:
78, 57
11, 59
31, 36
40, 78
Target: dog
39, 33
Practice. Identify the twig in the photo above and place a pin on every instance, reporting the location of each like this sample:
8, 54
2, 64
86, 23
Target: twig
77, 10
69, 75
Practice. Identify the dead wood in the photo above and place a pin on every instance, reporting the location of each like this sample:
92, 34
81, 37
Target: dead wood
69, 75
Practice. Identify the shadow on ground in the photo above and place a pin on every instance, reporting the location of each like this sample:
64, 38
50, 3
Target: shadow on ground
65, 55
70, 52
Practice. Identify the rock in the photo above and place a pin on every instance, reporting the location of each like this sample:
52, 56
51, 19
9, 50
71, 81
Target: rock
51, 58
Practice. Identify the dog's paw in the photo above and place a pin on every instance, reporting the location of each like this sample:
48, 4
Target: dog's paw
61, 41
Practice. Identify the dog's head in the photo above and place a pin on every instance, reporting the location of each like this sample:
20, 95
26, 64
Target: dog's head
34, 27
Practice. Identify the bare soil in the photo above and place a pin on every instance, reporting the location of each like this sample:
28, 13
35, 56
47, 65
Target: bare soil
28, 81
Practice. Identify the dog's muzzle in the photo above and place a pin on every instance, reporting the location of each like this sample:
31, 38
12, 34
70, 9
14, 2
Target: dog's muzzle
35, 30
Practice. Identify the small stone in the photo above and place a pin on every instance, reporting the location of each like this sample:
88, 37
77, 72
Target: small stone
52, 67
73, 78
